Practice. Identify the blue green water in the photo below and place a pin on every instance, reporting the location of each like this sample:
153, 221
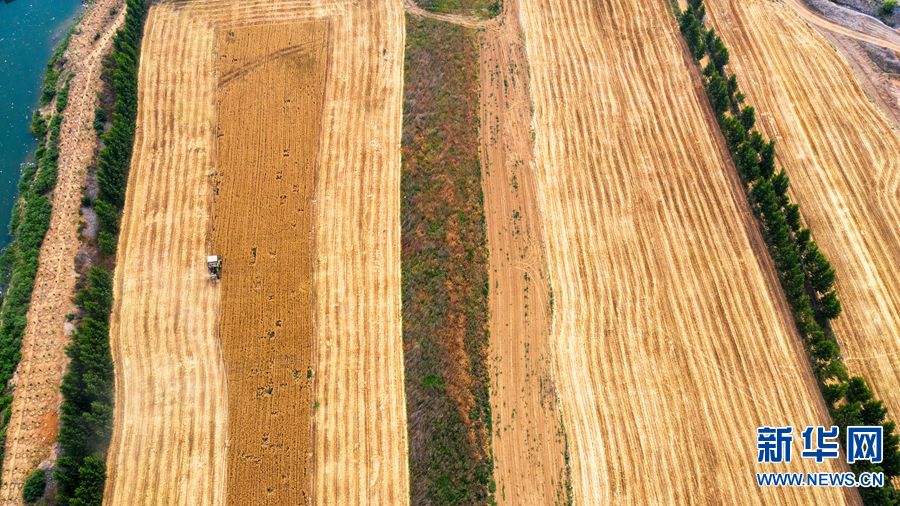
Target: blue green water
29, 30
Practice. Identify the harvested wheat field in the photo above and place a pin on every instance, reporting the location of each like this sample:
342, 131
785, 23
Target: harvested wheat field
168, 443
672, 341
841, 154
287, 392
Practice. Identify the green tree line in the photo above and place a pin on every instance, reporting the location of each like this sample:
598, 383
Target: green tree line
806, 275
87, 410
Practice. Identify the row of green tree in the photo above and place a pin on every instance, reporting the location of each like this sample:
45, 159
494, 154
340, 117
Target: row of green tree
87, 410
28, 226
806, 275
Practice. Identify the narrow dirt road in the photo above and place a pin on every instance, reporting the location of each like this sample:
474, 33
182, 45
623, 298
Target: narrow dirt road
457, 19
885, 37
34, 421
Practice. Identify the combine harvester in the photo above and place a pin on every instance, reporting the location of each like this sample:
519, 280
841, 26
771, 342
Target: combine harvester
214, 264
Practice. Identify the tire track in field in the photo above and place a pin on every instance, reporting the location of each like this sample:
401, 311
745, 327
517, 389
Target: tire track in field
672, 341
842, 157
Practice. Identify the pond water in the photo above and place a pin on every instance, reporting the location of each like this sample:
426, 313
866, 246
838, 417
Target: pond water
29, 31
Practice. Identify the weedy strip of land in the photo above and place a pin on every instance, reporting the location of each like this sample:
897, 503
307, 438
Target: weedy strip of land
444, 262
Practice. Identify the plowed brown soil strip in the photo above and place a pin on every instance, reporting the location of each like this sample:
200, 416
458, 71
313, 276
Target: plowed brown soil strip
528, 440
263, 227
843, 158
672, 342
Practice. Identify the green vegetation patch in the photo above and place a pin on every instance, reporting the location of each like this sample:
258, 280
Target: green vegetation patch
34, 486
484, 9
87, 388
806, 276
445, 276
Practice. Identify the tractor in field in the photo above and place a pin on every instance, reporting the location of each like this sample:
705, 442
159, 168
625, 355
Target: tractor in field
214, 265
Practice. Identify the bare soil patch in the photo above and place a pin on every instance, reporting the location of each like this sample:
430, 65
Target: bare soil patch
528, 441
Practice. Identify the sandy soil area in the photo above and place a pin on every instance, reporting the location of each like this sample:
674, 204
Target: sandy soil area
34, 420
672, 342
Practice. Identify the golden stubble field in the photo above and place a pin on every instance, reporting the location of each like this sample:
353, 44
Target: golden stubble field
843, 158
671, 340
178, 342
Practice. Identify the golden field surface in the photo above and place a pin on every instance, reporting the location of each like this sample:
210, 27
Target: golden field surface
179, 339
262, 224
672, 341
168, 442
843, 158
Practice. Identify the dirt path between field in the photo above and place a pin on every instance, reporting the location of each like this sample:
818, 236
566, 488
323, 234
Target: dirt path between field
887, 38
34, 421
528, 439
457, 19
858, 37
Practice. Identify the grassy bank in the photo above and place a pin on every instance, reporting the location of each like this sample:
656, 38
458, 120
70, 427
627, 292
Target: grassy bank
444, 262
806, 275
87, 410
28, 226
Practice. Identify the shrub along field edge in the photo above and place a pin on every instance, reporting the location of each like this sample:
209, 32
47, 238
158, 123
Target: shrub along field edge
806, 276
87, 388
483, 9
